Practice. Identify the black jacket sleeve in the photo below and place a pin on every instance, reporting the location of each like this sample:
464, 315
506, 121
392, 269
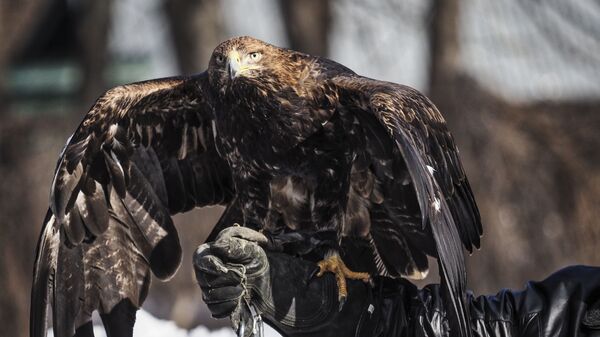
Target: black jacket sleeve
564, 304
234, 272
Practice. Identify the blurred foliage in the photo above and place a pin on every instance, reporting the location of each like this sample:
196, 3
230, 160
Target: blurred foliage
532, 159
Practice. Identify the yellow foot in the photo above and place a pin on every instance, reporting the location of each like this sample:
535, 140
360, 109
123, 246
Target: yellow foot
335, 265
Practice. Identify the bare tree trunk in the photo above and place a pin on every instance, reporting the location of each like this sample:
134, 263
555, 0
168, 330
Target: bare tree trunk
443, 42
17, 22
4, 15
307, 24
197, 27
92, 35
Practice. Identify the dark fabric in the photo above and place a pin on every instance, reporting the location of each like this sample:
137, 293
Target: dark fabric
234, 271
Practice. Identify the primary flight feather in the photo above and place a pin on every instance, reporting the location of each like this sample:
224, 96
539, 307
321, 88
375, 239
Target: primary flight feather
290, 143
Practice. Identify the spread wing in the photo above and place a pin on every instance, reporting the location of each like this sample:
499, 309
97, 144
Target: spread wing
143, 152
418, 198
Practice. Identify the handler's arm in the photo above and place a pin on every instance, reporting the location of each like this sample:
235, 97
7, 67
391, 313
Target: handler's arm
235, 270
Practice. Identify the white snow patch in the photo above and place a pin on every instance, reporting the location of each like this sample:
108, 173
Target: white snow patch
149, 326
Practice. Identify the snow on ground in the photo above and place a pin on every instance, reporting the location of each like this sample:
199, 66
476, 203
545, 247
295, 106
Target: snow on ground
149, 326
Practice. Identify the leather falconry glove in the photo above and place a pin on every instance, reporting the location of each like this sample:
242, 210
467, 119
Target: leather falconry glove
234, 272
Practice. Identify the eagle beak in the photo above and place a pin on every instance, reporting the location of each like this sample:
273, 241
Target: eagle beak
235, 64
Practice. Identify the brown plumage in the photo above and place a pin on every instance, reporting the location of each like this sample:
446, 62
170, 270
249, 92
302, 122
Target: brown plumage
290, 142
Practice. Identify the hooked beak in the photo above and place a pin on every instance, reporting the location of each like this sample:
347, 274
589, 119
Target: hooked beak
238, 64
234, 65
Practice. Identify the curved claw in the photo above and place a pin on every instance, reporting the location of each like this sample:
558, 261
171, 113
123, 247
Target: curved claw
335, 265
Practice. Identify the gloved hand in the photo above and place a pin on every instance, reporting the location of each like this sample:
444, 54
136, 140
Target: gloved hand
235, 274
225, 269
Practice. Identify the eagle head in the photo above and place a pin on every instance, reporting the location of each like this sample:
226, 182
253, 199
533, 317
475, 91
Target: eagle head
243, 65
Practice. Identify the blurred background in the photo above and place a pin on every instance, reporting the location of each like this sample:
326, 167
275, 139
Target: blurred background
518, 81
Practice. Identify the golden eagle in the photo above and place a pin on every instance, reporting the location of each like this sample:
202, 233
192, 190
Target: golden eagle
288, 142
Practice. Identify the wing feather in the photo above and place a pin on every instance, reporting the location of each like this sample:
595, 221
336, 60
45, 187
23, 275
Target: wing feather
43, 272
400, 122
143, 152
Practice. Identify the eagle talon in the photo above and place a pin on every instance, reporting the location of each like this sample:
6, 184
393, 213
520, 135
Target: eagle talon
342, 301
314, 273
335, 265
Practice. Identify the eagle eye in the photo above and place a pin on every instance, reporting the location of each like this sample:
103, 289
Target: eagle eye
255, 56
220, 59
